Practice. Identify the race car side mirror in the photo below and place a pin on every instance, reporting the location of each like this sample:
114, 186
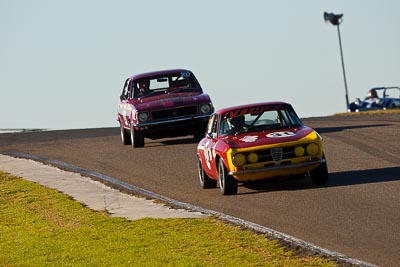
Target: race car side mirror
211, 135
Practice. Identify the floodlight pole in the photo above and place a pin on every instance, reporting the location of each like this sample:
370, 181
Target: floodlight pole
344, 72
336, 19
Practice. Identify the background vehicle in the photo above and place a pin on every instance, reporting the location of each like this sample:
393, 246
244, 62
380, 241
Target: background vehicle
162, 104
256, 142
378, 98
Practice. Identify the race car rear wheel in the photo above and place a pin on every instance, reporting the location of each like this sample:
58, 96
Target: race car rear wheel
137, 139
205, 181
125, 138
227, 183
319, 176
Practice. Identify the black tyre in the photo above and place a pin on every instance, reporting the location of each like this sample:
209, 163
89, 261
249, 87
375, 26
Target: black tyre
227, 183
205, 181
352, 107
125, 138
137, 138
319, 176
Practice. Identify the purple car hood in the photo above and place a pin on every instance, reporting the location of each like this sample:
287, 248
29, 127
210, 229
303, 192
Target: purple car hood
169, 100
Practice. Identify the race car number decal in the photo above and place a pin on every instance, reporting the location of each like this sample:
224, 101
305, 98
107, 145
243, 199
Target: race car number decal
280, 134
249, 139
207, 154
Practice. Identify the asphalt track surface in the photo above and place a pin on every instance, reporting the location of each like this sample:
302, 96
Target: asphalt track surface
356, 214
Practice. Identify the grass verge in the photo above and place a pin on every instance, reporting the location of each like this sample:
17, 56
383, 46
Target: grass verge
43, 227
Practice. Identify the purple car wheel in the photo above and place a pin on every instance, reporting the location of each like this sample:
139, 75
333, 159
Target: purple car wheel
125, 138
137, 139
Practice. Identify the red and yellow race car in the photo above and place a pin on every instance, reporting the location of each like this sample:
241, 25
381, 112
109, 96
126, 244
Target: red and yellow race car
256, 142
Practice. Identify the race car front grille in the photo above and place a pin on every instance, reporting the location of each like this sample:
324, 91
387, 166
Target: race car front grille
276, 154
173, 113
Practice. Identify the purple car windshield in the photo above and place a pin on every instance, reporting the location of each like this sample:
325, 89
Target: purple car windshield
168, 83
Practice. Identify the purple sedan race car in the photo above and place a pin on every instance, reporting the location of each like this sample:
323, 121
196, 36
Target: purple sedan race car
162, 104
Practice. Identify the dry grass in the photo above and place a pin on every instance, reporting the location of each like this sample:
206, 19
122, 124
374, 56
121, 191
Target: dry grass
372, 112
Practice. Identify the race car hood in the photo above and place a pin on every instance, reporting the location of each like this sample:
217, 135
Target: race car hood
170, 100
270, 137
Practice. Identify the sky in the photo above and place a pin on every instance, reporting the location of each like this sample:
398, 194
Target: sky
63, 63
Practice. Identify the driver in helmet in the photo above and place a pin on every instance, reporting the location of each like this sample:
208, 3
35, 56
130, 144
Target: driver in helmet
143, 88
372, 94
372, 100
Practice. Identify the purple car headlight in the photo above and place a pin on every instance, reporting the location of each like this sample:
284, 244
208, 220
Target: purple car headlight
143, 116
205, 108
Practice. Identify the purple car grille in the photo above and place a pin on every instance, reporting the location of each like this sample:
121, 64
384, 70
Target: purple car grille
173, 113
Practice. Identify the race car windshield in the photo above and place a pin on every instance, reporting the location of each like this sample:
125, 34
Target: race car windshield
271, 119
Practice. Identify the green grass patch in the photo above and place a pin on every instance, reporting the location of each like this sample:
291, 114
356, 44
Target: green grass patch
43, 227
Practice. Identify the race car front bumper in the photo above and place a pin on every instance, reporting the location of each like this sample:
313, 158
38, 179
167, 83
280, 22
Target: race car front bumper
276, 171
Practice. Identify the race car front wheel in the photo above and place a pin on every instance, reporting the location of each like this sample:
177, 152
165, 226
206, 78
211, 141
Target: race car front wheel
227, 183
319, 176
137, 139
125, 138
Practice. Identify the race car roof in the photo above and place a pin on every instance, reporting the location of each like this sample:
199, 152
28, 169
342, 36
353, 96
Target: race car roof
156, 73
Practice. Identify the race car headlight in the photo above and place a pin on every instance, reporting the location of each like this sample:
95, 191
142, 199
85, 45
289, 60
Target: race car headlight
252, 157
299, 151
205, 108
143, 116
312, 149
239, 160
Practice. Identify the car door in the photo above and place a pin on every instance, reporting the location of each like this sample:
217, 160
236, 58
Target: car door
123, 108
209, 147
